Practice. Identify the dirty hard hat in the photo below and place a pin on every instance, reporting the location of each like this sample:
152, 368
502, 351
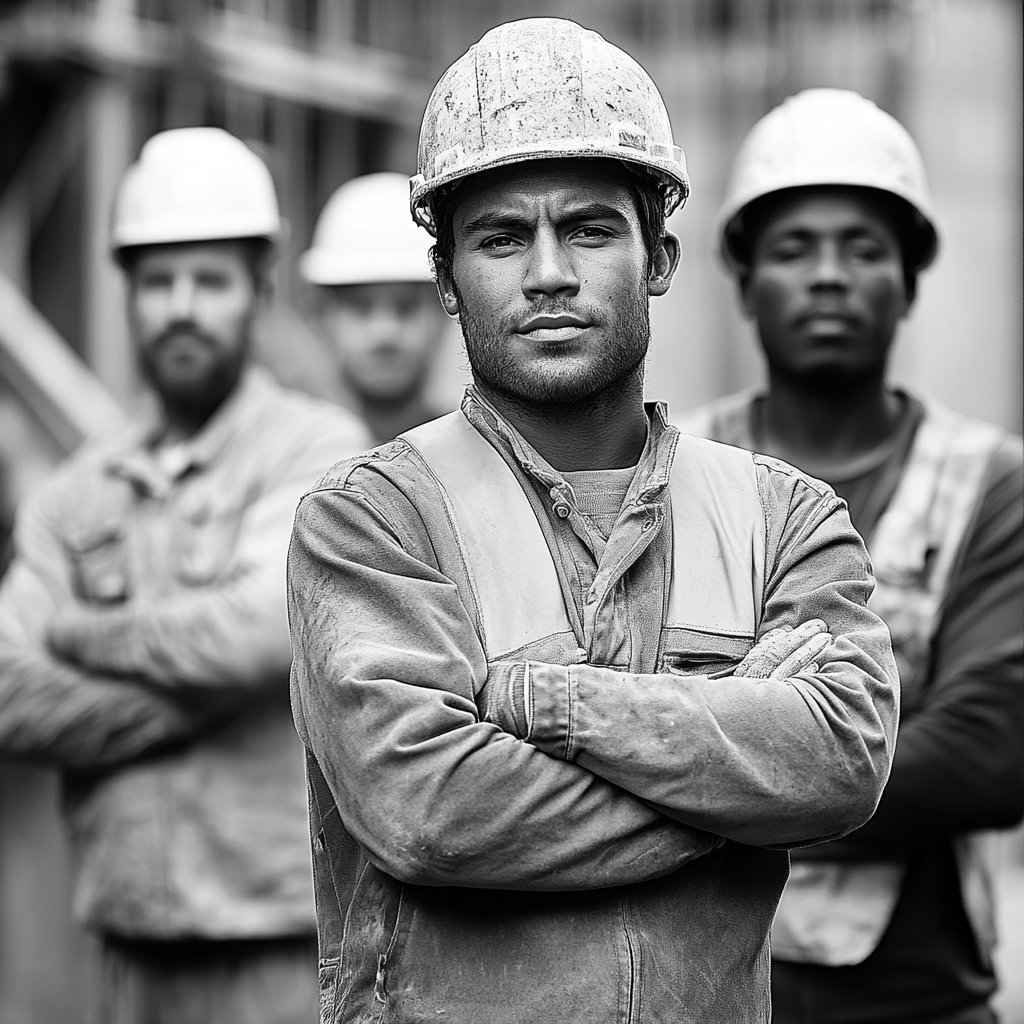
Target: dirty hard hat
193, 185
544, 88
827, 137
364, 235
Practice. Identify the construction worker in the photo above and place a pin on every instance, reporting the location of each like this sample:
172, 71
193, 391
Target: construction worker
143, 636
570, 684
377, 302
826, 225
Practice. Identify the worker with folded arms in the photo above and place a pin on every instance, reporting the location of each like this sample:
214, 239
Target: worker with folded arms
826, 226
570, 684
376, 302
143, 624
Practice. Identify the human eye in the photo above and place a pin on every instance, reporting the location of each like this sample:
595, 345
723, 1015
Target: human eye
867, 250
591, 234
212, 280
786, 250
499, 244
154, 280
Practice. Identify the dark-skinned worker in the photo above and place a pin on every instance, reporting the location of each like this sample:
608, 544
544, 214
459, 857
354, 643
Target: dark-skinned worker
377, 302
143, 623
570, 683
826, 226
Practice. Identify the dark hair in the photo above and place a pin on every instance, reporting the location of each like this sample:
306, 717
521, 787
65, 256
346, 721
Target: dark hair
648, 196
915, 236
258, 253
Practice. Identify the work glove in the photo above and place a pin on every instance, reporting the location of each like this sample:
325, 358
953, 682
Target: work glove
785, 651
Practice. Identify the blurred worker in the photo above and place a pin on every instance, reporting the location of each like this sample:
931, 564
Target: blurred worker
377, 301
535, 797
143, 635
827, 224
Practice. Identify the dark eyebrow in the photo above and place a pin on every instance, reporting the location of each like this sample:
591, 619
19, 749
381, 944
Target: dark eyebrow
509, 221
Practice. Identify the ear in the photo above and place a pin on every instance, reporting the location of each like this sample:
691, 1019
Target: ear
746, 296
446, 289
664, 262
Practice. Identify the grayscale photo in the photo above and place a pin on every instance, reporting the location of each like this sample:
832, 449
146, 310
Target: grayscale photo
511, 512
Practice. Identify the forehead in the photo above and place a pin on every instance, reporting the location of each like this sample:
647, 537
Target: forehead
222, 255
554, 187
825, 210
383, 293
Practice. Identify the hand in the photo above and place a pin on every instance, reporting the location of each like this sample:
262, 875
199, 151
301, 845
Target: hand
785, 651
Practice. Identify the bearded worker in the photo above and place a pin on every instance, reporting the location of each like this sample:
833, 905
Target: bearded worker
570, 684
143, 624
826, 226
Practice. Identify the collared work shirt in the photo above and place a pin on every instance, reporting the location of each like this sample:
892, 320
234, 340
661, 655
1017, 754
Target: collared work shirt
144, 650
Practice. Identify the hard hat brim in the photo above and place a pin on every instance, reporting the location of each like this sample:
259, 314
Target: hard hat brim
671, 174
169, 233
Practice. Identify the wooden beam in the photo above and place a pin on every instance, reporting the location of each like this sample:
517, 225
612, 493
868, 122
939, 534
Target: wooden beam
54, 383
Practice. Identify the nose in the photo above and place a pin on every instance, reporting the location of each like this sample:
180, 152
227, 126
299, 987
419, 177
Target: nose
383, 323
829, 270
182, 298
549, 269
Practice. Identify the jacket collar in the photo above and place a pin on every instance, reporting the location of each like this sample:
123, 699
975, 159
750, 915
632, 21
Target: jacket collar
153, 469
653, 469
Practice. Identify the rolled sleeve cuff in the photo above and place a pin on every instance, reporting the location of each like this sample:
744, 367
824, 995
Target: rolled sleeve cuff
548, 694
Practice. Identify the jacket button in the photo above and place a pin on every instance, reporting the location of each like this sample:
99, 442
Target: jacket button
562, 511
648, 523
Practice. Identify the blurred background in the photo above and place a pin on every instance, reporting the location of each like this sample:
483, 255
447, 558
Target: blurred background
328, 89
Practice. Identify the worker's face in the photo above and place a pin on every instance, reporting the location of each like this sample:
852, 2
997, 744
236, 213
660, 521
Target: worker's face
191, 307
384, 335
551, 278
826, 286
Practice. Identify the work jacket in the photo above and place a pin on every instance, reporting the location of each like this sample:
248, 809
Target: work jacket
834, 912
611, 865
144, 651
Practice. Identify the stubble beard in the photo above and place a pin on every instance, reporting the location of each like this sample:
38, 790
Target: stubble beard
620, 358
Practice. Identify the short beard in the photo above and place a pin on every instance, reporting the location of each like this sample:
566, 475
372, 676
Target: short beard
492, 365
195, 401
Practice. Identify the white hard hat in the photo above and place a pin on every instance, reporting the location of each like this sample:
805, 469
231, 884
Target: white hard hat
544, 88
192, 185
365, 235
828, 137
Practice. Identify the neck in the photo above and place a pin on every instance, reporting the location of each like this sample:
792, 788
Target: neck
818, 428
184, 421
389, 418
605, 431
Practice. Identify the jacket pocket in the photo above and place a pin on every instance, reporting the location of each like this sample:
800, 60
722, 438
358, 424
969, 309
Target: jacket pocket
206, 541
472, 955
690, 652
328, 979
100, 564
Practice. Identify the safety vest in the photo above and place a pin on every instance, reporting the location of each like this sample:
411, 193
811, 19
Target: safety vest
718, 531
836, 913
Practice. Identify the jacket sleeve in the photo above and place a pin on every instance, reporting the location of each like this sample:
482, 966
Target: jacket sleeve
387, 663
959, 764
762, 761
231, 634
52, 711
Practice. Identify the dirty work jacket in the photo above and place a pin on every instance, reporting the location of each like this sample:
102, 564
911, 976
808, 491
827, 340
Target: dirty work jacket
161, 583
613, 870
